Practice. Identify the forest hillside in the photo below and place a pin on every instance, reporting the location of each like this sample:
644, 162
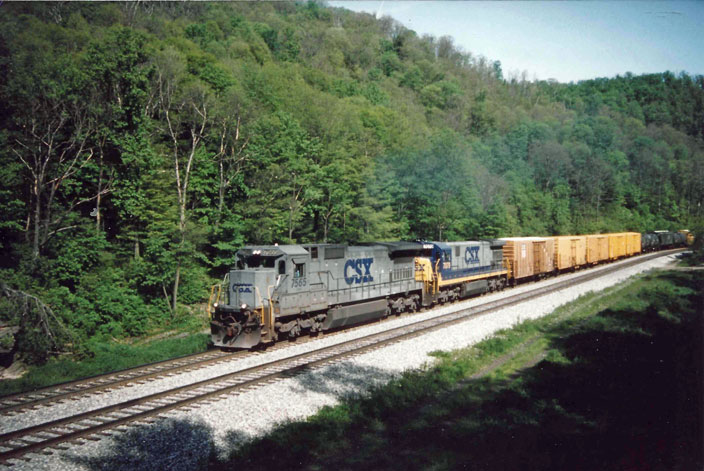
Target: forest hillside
143, 143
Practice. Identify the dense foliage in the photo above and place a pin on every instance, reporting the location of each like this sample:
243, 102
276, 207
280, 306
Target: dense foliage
142, 143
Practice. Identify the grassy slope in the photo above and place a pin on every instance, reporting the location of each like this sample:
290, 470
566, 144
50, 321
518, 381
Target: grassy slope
612, 381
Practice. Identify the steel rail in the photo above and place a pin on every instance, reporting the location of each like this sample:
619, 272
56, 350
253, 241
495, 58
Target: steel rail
107, 381
23, 441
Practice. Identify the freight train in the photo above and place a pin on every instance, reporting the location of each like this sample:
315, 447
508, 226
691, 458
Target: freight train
283, 291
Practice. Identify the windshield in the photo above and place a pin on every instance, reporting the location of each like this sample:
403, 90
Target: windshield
260, 261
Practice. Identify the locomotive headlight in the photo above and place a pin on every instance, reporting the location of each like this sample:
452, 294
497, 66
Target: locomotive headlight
215, 304
244, 306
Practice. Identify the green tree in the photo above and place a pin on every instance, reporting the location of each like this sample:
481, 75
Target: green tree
285, 170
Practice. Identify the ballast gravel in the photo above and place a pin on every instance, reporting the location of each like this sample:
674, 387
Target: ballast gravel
185, 439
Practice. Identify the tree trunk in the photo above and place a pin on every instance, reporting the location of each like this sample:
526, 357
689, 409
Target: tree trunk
290, 213
598, 201
221, 194
290, 226
166, 296
177, 278
37, 217
97, 201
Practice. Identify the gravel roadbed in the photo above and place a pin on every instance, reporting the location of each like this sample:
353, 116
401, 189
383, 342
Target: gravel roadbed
184, 439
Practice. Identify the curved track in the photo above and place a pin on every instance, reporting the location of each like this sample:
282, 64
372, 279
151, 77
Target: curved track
15, 403
87, 425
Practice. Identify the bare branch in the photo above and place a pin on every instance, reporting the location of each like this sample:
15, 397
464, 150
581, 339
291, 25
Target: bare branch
33, 312
54, 232
75, 204
31, 170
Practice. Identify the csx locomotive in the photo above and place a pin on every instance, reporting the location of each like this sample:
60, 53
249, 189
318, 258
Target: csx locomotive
283, 291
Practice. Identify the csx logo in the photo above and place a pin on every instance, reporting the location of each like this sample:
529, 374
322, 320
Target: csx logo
471, 255
242, 287
357, 270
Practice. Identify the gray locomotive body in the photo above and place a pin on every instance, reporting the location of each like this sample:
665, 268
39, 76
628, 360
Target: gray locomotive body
289, 289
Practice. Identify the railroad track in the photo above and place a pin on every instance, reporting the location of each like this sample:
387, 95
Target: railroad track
89, 425
20, 402
16, 403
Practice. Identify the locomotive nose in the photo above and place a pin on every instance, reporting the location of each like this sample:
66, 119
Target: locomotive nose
232, 328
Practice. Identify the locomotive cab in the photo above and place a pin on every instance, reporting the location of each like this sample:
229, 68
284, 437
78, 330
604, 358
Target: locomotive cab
255, 284
246, 318
272, 290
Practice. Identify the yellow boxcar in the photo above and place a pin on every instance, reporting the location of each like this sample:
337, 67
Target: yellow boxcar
529, 256
617, 245
597, 248
632, 243
570, 251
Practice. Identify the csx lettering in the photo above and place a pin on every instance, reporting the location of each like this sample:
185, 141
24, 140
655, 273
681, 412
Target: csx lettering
353, 270
471, 255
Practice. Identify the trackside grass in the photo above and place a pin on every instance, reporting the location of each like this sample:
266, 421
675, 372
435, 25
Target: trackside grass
106, 357
695, 258
610, 381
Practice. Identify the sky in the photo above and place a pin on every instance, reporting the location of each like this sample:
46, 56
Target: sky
565, 41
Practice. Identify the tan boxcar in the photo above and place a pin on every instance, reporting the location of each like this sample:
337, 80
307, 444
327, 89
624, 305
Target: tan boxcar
543, 255
617, 245
597, 248
529, 256
519, 253
570, 251
632, 243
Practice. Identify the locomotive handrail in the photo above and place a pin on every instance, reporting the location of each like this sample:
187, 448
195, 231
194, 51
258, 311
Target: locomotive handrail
209, 307
464, 272
259, 296
508, 265
210, 300
436, 277
329, 273
320, 277
269, 321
